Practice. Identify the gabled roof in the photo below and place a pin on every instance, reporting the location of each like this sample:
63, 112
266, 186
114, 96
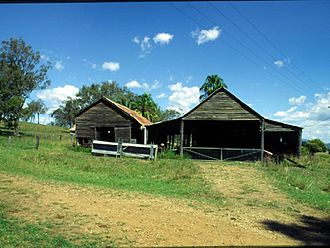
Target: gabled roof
270, 124
232, 97
121, 108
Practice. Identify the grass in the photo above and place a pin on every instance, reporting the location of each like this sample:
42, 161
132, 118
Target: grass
58, 161
310, 186
18, 233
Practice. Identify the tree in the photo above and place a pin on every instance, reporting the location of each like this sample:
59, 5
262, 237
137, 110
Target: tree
168, 114
211, 84
90, 94
36, 108
20, 74
146, 106
315, 145
65, 114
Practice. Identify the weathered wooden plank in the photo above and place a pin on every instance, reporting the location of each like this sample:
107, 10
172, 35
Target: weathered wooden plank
101, 115
221, 107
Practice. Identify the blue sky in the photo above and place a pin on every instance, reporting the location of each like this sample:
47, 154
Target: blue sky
169, 49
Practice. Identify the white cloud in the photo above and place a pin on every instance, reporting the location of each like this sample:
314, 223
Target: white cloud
163, 38
144, 44
162, 95
112, 66
155, 85
279, 63
136, 40
59, 65
183, 98
89, 63
205, 35
314, 116
54, 97
133, 84
291, 115
297, 101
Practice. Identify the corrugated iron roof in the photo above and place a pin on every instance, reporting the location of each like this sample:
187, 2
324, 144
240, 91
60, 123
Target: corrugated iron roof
139, 118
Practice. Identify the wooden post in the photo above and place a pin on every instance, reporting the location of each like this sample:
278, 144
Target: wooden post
151, 154
299, 143
262, 127
181, 137
37, 141
119, 148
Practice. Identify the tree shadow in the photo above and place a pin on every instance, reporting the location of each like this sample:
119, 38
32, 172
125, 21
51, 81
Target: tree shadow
311, 231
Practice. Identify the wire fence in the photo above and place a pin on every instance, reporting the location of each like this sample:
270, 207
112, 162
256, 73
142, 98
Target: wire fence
225, 154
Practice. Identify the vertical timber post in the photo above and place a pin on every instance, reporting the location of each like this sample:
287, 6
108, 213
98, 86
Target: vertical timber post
299, 143
181, 137
262, 127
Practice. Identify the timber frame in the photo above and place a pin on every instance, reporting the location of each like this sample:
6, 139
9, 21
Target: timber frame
223, 121
107, 120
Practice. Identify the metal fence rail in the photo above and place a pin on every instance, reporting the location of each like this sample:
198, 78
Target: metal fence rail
124, 149
215, 153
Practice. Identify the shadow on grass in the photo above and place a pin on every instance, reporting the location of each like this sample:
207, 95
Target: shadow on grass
311, 231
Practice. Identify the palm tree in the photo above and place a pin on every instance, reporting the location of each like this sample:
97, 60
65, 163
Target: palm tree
211, 84
146, 106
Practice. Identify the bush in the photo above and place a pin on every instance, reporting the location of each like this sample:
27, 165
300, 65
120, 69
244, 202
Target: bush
313, 146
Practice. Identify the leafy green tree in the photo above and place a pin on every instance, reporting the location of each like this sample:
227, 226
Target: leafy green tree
146, 106
90, 94
167, 114
20, 73
65, 114
211, 84
36, 107
315, 145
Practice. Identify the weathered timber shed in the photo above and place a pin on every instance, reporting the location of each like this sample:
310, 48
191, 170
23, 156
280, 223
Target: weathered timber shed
223, 126
107, 120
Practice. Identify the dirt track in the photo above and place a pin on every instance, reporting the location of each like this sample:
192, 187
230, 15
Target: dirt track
145, 220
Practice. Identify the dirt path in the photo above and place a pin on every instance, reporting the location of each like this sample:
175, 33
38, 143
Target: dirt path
144, 220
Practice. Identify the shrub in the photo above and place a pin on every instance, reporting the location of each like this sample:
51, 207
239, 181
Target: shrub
313, 146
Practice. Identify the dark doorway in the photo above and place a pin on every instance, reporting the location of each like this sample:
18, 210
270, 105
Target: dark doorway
105, 134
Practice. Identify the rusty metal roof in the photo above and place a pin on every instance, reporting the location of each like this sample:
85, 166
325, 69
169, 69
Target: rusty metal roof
139, 118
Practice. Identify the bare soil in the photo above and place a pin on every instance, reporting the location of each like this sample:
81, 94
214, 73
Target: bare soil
136, 219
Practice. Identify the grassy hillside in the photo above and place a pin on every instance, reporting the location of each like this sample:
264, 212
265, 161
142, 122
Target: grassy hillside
310, 185
57, 160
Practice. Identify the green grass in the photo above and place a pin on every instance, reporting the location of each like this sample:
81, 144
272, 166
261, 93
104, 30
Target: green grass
310, 186
18, 233
58, 161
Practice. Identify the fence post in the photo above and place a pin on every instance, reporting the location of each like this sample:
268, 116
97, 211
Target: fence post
221, 154
37, 141
151, 155
119, 147
181, 137
262, 126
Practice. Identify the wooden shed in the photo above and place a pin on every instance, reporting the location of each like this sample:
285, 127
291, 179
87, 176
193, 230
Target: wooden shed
107, 120
222, 125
